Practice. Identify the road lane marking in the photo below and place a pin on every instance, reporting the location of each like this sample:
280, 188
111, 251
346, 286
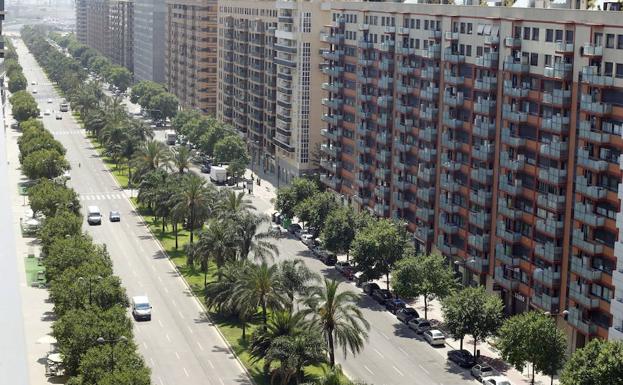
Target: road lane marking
423, 368
368, 369
165, 290
379, 353
398, 371
160, 323
211, 364
168, 338
160, 379
190, 330
221, 380
403, 351
384, 335
159, 279
153, 363
200, 347
177, 355
173, 302
186, 372
181, 315
153, 267
145, 345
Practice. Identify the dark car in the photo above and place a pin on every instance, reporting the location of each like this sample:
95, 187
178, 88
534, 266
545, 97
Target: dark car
382, 296
205, 168
463, 358
370, 287
393, 305
274, 216
406, 314
293, 227
328, 258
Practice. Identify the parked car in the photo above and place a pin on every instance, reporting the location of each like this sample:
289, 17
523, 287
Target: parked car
59, 117
114, 216
294, 227
496, 380
406, 314
46, 112
382, 295
275, 230
480, 371
359, 279
317, 250
328, 258
419, 325
341, 265
205, 168
462, 358
395, 304
307, 239
370, 287
275, 216
435, 337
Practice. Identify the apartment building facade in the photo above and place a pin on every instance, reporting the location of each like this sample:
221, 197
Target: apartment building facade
98, 34
81, 21
149, 40
191, 53
496, 134
267, 63
121, 13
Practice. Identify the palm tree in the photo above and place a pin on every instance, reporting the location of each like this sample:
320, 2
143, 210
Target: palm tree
338, 318
234, 203
181, 158
296, 277
294, 352
216, 241
260, 287
194, 199
138, 129
253, 242
149, 157
149, 186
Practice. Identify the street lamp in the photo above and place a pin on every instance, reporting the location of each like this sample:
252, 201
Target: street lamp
89, 282
113, 342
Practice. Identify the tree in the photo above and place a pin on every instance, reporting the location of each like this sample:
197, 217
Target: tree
598, 363
424, 275
216, 242
44, 164
144, 91
63, 224
250, 240
37, 139
129, 367
182, 117
120, 77
338, 317
181, 158
290, 196
294, 353
24, 106
17, 82
194, 200
237, 169
231, 149
48, 197
233, 203
72, 251
150, 156
296, 279
532, 337
472, 311
163, 105
377, 247
260, 288
214, 132
338, 231
314, 210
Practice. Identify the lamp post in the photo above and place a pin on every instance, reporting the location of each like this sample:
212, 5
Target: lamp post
89, 282
113, 342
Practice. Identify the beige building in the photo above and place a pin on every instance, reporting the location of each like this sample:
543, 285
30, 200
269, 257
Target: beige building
268, 60
121, 13
191, 52
98, 34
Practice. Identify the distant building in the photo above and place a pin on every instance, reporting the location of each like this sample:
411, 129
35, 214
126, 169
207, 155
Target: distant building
191, 44
81, 21
149, 40
121, 13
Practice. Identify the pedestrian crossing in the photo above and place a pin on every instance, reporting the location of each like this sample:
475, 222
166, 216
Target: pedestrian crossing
101, 197
68, 132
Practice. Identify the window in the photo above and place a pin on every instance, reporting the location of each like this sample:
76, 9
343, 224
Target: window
478, 51
462, 28
548, 60
619, 73
549, 35
534, 59
608, 68
526, 33
480, 29
468, 51
619, 41
609, 40
469, 28
558, 35
535, 34
417, 24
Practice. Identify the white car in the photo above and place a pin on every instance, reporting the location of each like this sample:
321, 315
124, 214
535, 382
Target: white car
46, 112
307, 238
33, 83
435, 337
496, 380
49, 101
481, 371
34, 91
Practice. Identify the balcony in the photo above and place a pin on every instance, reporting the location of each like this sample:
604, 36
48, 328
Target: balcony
484, 128
384, 101
430, 73
332, 182
382, 190
481, 175
429, 113
554, 150
513, 188
453, 57
399, 201
362, 61
404, 127
591, 75
551, 201
478, 265
576, 320
386, 65
483, 152
519, 67
507, 211
427, 155
580, 294
453, 100
452, 122
364, 79
429, 93
486, 84
434, 35
387, 46
558, 71
330, 166
506, 282
332, 119
450, 142
584, 270
492, 40
512, 42
432, 52
488, 60
447, 183
581, 242
402, 50
332, 103
424, 214
546, 302
448, 206
591, 50
332, 87
385, 83
329, 150
479, 242
505, 257
548, 252
383, 156
448, 227
446, 249
586, 132
516, 90
403, 108
594, 192
426, 174
557, 97
451, 36
484, 106
481, 219
585, 160
427, 134
451, 78
563, 47
426, 194
514, 116
404, 89
511, 139
333, 71
507, 235
331, 134
585, 213
328, 55
405, 69
365, 44
381, 209
551, 227
588, 104
512, 164
552, 175
424, 233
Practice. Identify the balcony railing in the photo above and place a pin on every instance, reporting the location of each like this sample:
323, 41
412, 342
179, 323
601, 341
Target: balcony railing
558, 71
580, 294
548, 252
480, 219
576, 320
591, 75
587, 103
507, 211
555, 149
481, 175
551, 201
516, 91
508, 235
580, 241
425, 214
486, 83
479, 242
547, 276
557, 123
546, 302
505, 257
424, 233
594, 192
506, 282
552, 175
585, 270
513, 116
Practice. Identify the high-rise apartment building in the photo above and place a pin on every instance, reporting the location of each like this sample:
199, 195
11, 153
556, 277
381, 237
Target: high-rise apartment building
495, 133
98, 34
268, 60
81, 21
121, 13
191, 54
149, 40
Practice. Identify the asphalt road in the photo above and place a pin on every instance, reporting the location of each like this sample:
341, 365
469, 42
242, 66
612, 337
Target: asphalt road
179, 344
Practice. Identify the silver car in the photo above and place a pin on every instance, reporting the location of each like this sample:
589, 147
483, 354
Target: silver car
114, 216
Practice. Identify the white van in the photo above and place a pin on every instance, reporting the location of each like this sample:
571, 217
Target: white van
141, 309
94, 216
